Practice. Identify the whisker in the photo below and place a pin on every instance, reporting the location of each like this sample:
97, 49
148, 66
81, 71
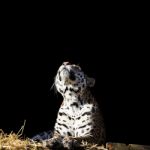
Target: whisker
52, 87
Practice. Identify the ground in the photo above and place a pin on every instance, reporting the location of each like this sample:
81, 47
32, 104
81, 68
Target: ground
15, 141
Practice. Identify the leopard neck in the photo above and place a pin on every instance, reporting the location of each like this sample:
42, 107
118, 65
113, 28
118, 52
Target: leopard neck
85, 97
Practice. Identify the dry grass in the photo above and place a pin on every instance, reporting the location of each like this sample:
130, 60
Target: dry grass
15, 141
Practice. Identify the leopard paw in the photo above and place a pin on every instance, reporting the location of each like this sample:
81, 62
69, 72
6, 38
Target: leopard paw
70, 143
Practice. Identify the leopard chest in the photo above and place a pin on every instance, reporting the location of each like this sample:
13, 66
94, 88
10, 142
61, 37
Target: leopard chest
75, 119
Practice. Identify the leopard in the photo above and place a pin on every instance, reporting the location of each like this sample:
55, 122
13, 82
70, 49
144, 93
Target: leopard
79, 118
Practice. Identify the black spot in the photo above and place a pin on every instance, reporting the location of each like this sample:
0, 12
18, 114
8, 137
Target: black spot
93, 110
92, 130
61, 91
83, 121
61, 124
88, 129
75, 91
66, 89
79, 118
57, 131
73, 128
62, 113
79, 88
64, 120
80, 100
82, 80
69, 118
69, 134
82, 127
80, 75
89, 124
74, 104
86, 113
71, 89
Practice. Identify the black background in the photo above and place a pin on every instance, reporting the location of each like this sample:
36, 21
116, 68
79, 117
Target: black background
120, 90
114, 54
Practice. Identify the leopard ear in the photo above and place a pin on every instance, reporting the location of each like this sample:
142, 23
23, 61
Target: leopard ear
90, 82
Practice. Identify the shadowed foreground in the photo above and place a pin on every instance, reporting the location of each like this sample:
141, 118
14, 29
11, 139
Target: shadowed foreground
14, 141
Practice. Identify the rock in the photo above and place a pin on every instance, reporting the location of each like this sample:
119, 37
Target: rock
122, 146
138, 147
116, 146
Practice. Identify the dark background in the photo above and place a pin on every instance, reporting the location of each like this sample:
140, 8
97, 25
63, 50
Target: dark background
113, 52
120, 89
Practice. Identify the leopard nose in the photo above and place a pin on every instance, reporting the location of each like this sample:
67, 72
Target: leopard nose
66, 63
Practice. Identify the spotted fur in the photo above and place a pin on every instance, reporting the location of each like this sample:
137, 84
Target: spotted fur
79, 118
